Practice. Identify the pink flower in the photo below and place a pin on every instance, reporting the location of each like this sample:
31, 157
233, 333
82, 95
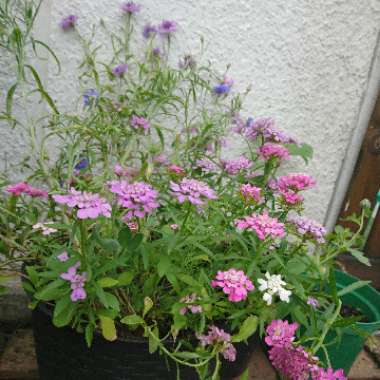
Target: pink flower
176, 169
263, 225
190, 299
280, 333
196, 192
133, 226
313, 302
269, 150
228, 81
206, 165
130, 7
234, 283
174, 227
296, 182
62, 257
139, 197
160, 159
77, 282
89, 205
250, 192
24, 188
215, 336
328, 374
140, 122
236, 165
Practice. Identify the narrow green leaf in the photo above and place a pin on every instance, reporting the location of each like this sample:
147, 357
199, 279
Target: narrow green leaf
153, 344
248, 327
107, 282
352, 287
148, 304
360, 257
125, 278
133, 319
9, 99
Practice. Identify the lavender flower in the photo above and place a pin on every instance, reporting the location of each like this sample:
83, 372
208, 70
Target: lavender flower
130, 7
236, 165
82, 164
77, 282
89, 95
139, 122
68, 22
221, 89
313, 302
167, 27
149, 31
63, 257
309, 228
119, 70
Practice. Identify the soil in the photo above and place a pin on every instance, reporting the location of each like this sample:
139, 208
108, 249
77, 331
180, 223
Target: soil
349, 311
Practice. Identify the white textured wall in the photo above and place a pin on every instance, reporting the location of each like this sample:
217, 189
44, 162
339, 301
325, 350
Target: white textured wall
308, 62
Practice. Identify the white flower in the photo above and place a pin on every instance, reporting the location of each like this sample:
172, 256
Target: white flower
272, 285
45, 230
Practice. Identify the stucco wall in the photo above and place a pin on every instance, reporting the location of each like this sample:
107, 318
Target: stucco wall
308, 63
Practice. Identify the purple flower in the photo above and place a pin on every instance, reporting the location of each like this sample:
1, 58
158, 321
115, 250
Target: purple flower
89, 205
149, 31
119, 70
167, 27
190, 300
215, 336
221, 89
309, 228
62, 257
156, 52
82, 164
250, 192
89, 95
236, 165
77, 282
269, 151
196, 192
139, 197
130, 7
140, 122
68, 22
313, 302
206, 165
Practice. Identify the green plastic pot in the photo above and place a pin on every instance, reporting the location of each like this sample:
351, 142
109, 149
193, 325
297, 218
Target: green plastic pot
343, 353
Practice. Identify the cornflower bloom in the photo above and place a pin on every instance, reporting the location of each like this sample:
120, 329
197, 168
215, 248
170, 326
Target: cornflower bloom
130, 7
263, 225
167, 27
234, 283
138, 197
89, 205
149, 31
68, 22
120, 70
215, 336
89, 96
196, 192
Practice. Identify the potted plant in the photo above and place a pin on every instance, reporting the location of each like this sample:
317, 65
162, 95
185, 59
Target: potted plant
148, 254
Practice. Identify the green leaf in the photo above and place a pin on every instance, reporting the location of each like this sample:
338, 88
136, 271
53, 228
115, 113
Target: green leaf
244, 375
153, 343
64, 311
163, 265
109, 245
125, 278
89, 334
9, 101
112, 301
148, 304
51, 291
132, 319
107, 282
248, 327
187, 355
350, 288
360, 256
295, 266
108, 328
304, 150
188, 280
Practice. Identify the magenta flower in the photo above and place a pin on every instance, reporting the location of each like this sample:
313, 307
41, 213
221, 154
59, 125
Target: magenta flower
309, 228
269, 150
250, 192
328, 374
167, 27
192, 307
236, 165
133, 226
218, 336
68, 22
89, 205
139, 122
149, 31
77, 282
130, 7
234, 283
176, 169
139, 197
296, 182
120, 70
62, 257
280, 333
196, 192
24, 188
265, 127
263, 225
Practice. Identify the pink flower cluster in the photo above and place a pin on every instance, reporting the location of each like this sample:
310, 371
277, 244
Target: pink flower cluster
216, 335
77, 282
234, 283
236, 165
89, 205
192, 190
289, 185
265, 127
206, 165
263, 225
269, 150
176, 169
294, 362
190, 299
309, 228
24, 188
139, 197
250, 192
140, 122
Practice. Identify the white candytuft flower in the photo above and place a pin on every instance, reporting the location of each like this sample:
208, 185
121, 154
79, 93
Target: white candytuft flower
273, 285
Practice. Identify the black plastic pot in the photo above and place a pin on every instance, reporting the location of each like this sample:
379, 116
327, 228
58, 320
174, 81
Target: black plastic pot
62, 354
